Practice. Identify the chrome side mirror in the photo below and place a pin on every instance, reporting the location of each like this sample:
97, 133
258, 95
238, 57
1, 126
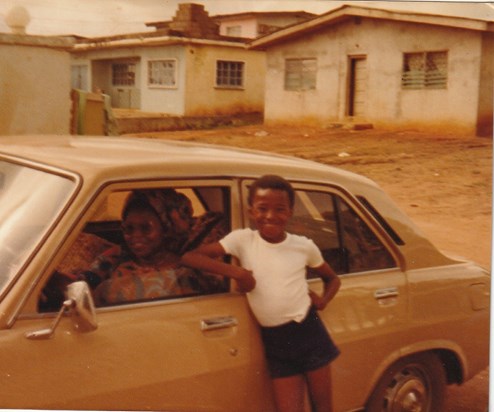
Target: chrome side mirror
79, 305
83, 313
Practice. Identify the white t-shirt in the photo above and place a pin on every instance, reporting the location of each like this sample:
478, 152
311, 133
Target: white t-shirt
281, 292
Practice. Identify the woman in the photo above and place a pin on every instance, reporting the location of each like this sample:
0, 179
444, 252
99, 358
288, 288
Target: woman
148, 267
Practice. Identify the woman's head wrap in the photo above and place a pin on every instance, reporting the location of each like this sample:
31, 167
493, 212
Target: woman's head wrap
163, 202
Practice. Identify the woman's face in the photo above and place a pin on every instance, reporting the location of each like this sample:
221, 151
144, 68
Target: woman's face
143, 233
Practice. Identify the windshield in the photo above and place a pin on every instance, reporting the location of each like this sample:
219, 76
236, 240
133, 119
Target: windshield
30, 200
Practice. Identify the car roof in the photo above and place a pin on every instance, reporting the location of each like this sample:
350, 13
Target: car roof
121, 157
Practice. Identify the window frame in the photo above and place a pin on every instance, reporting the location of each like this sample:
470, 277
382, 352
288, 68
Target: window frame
427, 76
123, 78
362, 213
168, 72
300, 74
231, 76
97, 203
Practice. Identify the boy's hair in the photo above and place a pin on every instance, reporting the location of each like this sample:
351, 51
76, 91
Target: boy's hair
274, 182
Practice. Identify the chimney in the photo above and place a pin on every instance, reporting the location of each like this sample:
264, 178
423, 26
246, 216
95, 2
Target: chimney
191, 20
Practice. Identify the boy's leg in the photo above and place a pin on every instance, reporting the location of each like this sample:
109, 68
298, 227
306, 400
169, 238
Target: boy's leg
289, 393
320, 389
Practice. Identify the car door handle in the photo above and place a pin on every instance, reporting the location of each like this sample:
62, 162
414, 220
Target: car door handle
218, 322
386, 293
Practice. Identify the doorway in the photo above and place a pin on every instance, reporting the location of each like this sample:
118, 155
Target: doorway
357, 86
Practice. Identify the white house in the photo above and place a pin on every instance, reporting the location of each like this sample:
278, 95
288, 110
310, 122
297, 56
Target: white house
389, 68
254, 24
185, 68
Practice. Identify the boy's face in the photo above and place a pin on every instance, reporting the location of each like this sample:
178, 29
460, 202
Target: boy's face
270, 212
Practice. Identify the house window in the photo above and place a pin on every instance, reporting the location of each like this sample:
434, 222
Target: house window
300, 74
234, 31
425, 70
123, 74
229, 73
162, 73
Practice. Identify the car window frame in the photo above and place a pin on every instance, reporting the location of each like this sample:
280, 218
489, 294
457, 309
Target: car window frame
352, 201
29, 309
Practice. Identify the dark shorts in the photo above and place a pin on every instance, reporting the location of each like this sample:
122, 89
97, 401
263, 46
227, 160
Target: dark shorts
296, 348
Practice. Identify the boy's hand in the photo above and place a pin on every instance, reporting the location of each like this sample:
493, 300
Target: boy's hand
245, 281
317, 301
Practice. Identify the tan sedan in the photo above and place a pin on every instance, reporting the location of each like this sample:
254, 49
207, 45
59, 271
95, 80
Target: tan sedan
408, 319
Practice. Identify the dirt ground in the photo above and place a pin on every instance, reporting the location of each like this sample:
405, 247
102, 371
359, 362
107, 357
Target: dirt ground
443, 182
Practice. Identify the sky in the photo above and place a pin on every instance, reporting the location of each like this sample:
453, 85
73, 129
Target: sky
108, 17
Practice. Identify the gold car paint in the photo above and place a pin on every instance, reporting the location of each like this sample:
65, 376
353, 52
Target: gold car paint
219, 366
143, 356
351, 317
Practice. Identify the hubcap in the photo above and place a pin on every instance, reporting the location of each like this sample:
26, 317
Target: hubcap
407, 392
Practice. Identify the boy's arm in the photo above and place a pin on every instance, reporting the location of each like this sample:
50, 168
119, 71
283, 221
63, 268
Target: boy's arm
206, 258
332, 284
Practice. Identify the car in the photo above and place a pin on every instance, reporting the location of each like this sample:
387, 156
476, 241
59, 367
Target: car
408, 319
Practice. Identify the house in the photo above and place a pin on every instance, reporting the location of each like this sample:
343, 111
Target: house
255, 24
184, 68
385, 67
34, 84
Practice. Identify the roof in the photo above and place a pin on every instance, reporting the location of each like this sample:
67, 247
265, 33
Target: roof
257, 14
157, 39
347, 12
123, 158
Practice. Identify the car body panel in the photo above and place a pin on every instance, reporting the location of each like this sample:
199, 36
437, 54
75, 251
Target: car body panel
154, 355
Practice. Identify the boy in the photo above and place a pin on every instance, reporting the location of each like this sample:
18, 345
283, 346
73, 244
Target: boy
273, 269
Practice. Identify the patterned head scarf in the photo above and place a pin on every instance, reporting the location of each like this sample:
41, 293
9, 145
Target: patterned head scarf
164, 202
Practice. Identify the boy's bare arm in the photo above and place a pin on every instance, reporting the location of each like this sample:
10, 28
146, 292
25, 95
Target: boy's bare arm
332, 284
206, 258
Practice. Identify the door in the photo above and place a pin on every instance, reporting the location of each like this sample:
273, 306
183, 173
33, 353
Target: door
367, 317
357, 87
198, 351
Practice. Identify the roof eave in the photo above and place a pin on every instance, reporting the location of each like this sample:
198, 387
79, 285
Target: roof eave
153, 42
347, 12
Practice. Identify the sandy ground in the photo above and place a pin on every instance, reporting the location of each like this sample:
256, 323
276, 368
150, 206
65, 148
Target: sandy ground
443, 182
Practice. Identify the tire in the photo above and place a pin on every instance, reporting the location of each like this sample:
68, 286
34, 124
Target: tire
414, 384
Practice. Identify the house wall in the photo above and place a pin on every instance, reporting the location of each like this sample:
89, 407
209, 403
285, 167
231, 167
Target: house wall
100, 74
248, 27
34, 85
486, 87
158, 99
202, 95
383, 44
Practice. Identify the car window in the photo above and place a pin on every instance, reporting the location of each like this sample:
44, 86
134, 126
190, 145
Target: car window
346, 241
30, 201
129, 250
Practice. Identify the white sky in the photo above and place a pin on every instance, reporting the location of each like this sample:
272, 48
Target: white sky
106, 17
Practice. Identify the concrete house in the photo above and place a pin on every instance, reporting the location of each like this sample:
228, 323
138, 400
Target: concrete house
184, 68
254, 24
250, 24
389, 68
34, 84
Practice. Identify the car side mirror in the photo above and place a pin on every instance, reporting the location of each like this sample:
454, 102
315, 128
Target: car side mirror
79, 305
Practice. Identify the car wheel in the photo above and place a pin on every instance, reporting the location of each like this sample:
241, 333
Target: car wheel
413, 384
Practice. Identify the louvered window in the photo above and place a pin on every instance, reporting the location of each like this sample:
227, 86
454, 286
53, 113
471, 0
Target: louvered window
300, 74
426, 70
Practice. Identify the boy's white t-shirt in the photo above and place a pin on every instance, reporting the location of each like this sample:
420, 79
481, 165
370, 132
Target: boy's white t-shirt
281, 292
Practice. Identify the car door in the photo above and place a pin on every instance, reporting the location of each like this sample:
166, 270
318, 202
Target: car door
367, 316
182, 353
